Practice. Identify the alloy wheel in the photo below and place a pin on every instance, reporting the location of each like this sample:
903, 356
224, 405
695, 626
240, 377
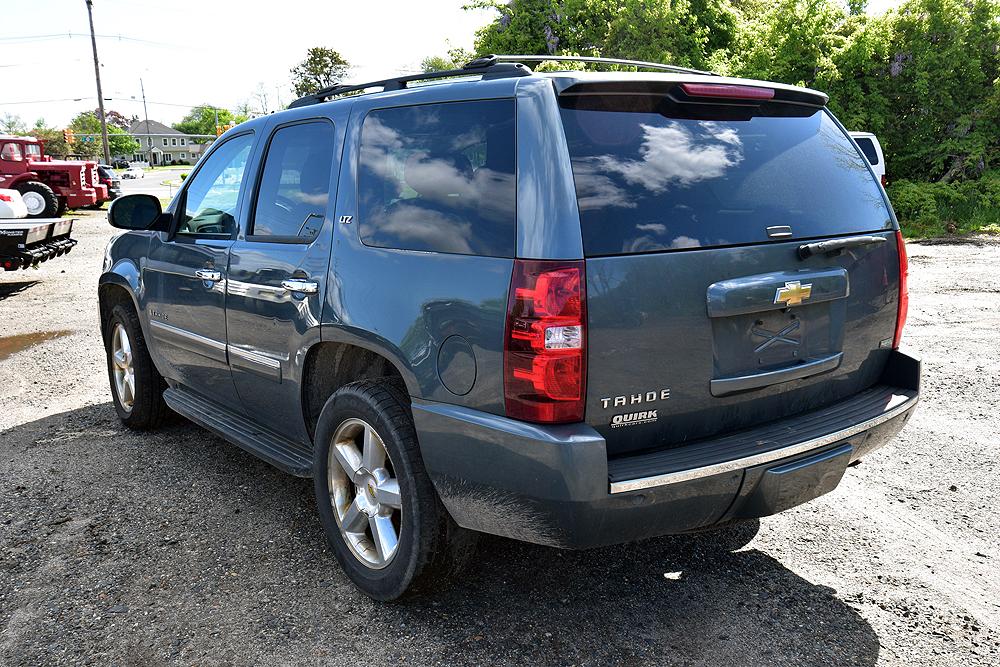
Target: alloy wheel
121, 364
364, 493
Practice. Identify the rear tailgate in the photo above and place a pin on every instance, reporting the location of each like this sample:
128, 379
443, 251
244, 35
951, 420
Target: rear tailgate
704, 316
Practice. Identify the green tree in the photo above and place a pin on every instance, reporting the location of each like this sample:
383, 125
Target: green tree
202, 120
322, 67
12, 124
693, 33
456, 57
119, 141
55, 145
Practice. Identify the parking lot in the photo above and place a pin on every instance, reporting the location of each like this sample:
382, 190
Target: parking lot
177, 548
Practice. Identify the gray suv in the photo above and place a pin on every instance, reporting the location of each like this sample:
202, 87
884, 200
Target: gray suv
571, 308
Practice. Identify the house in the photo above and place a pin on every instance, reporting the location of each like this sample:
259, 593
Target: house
161, 144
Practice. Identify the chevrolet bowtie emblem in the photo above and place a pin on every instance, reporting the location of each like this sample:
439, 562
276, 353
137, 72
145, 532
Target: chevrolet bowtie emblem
793, 293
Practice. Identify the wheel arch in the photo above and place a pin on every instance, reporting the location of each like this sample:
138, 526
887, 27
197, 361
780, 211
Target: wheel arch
115, 287
329, 365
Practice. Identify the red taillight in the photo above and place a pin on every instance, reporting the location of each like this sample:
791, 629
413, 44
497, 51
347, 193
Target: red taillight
904, 294
6, 198
728, 91
545, 360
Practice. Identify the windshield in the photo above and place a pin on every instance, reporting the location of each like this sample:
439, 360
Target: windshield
652, 174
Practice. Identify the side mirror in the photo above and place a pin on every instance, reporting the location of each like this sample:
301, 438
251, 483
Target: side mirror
140, 212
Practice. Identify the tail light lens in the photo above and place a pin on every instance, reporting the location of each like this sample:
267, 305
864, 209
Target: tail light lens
6, 198
904, 293
545, 360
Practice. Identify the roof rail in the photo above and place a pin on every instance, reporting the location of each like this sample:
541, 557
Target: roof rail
640, 64
488, 70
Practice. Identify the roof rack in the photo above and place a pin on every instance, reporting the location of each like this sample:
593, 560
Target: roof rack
488, 70
640, 64
489, 67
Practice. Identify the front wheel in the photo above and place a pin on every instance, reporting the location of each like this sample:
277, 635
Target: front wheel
378, 507
136, 385
39, 199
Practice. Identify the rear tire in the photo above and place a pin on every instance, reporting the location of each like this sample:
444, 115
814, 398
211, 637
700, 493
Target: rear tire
136, 386
39, 198
381, 514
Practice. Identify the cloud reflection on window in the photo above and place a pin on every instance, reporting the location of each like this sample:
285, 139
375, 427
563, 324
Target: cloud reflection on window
669, 155
439, 178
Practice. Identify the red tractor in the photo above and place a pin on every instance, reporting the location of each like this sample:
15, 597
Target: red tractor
48, 186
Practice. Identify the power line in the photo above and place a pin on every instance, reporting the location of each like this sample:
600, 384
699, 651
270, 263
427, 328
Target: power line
69, 35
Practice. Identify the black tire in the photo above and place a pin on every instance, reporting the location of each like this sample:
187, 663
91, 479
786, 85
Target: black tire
51, 201
148, 409
431, 545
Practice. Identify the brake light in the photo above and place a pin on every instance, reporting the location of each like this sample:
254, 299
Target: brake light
904, 293
6, 198
545, 362
727, 91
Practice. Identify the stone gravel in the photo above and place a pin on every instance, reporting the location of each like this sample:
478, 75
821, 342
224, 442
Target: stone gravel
175, 548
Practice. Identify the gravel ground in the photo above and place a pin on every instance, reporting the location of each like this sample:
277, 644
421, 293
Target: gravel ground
177, 548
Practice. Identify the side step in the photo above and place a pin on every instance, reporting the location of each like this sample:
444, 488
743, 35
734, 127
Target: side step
292, 457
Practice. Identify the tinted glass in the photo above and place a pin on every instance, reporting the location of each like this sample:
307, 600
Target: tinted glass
868, 148
439, 177
655, 175
295, 185
211, 198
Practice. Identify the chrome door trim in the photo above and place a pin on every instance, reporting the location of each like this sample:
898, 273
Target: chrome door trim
255, 362
904, 404
190, 341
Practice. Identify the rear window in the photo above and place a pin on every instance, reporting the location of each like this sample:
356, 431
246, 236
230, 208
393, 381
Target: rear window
440, 178
652, 174
868, 148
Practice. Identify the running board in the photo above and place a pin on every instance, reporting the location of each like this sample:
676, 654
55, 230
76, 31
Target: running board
292, 457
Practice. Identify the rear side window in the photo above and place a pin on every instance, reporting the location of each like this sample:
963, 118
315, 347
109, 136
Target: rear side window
652, 174
295, 183
868, 148
439, 177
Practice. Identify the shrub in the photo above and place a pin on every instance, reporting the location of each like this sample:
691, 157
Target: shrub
934, 209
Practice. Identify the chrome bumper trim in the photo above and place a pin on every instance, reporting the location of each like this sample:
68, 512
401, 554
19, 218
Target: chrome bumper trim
893, 410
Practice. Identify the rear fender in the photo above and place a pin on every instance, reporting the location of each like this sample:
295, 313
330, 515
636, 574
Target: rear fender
377, 344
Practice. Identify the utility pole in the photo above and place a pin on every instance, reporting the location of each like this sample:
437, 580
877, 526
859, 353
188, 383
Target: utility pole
145, 112
97, 75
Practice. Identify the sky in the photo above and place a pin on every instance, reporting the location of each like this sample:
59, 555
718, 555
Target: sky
189, 52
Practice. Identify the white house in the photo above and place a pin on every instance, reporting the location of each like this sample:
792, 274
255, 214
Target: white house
167, 145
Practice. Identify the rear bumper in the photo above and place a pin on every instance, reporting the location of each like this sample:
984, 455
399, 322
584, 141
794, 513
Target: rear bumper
555, 485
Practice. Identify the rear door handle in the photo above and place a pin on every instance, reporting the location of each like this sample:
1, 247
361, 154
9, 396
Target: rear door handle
302, 286
208, 275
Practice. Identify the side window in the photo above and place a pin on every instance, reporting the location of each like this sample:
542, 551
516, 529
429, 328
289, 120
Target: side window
211, 198
10, 152
295, 182
439, 177
868, 148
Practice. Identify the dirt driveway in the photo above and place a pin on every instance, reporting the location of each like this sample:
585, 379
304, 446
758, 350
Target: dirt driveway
176, 548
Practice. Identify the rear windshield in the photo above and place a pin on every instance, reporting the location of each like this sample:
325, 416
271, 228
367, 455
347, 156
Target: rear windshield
652, 174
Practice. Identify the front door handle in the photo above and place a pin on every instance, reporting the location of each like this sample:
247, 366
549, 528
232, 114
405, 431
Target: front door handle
302, 286
208, 275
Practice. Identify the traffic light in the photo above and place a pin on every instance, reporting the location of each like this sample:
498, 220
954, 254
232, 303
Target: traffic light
68, 136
